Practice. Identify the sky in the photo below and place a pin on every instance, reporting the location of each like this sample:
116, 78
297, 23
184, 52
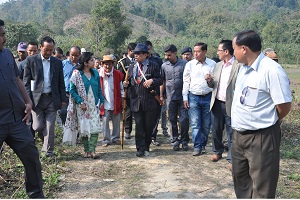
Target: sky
2, 1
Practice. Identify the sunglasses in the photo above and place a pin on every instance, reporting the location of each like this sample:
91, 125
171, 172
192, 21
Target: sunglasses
245, 93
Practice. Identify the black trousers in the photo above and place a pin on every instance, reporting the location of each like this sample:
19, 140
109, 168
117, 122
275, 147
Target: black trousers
128, 117
18, 136
255, 162
144, 125
220, 119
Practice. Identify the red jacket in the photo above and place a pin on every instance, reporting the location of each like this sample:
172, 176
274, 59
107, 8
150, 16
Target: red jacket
118, 77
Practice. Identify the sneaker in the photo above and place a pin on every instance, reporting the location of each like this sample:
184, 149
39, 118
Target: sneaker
176, 146
185, 147
196, 152
203, 151
105, 144
155, 143
173, 140
166, 134
147, 153
127, 136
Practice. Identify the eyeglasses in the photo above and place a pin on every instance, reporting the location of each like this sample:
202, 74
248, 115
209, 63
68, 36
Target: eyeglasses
221, 50
245, 93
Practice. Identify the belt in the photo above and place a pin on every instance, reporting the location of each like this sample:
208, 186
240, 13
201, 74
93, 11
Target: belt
203, 95
47, 94
220, 100
254, 131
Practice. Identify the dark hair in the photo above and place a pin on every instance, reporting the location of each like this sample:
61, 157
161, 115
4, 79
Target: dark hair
216, 59
148, 43
33, 43
1, 22
171, 48
47, 39
58, 50
84, 57
227, 45
68, 53
250, 39
131, 46
77, 48
203, 46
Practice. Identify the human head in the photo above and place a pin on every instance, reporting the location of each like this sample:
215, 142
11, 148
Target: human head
171, 53
149, 45
74, 54
225, 50
200, 50
130, 48
247, 46
271, 54
32, 48
108, 63
2, 35
140, 52
187, 53
58, 53
97, 63
85, 60
46, 46
22, 46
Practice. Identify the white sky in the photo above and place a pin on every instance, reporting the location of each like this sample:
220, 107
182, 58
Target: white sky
2, 1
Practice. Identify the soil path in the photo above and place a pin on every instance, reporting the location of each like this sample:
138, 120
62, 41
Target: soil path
164, 174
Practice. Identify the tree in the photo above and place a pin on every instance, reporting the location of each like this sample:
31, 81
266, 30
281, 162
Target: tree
21, 32
106, 27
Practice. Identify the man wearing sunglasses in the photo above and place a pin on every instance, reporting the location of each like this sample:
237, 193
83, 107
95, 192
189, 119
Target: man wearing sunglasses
262, 98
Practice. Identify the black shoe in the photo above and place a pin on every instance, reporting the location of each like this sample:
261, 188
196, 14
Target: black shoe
176, 146
140, 154
173, 140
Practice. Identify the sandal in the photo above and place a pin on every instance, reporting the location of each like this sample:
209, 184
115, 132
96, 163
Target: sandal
87, 155
94, 155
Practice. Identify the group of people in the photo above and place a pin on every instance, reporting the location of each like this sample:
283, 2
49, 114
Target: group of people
246, 93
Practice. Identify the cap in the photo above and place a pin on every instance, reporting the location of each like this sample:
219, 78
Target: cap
22, 46
186, 49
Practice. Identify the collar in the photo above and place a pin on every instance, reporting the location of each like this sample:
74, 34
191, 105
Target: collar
229, 61
255, 65
45, 58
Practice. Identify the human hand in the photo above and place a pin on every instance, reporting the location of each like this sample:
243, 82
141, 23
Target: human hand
28, 108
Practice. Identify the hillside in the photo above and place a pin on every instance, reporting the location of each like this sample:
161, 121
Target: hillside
277, 21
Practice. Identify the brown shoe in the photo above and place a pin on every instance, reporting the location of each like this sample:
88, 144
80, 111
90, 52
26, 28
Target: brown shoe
216, 157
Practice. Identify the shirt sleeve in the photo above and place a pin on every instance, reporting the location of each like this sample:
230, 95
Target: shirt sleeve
186, 81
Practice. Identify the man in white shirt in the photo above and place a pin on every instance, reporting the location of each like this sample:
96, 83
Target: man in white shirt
113, 93
262, 98
196, 96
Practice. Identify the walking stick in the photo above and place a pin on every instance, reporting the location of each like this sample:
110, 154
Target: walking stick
124, 111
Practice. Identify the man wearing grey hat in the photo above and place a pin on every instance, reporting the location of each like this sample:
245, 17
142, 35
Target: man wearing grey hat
143, 78
22, 46
187, 54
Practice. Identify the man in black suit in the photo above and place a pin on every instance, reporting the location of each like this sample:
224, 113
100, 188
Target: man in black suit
44, 83
143, 78
123, 66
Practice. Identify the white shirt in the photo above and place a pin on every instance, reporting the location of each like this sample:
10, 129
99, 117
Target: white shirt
259, 88
108, 82
223, 82
194, 77
46, 70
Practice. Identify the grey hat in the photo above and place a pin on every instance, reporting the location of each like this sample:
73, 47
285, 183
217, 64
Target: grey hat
141, 48
186, 49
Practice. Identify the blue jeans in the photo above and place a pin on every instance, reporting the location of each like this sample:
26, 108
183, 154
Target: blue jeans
200, 119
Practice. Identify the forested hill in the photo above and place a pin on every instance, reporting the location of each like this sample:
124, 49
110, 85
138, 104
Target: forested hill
181, 22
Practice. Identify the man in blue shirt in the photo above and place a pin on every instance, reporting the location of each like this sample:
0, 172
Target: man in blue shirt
68, 67
15, 109
262, 98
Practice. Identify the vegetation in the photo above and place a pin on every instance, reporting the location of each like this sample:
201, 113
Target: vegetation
188, 22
